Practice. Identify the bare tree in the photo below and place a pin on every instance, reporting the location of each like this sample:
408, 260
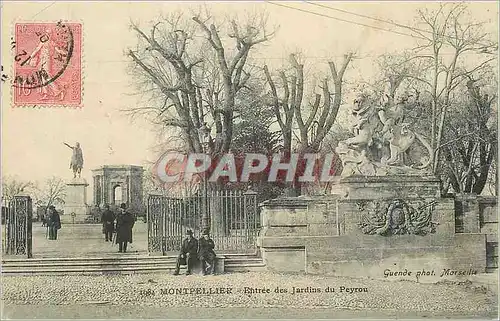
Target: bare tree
321, 113
188, 67
314, 117
232, 69
435, 71
449, 34
283, 107
472, 140
166, 64
12, 186
52, 192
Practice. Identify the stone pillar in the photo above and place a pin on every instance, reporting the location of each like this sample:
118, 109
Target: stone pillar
95, 191
103, 190
99, 200
75, 202
284, 222
468, 207
128, 198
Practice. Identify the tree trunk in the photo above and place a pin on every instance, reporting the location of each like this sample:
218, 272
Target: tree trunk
485, 164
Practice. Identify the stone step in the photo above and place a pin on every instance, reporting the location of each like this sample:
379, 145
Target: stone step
85, 270
112, 262
86, 264
491, 269
243, 260
250, 267
106, 260
169, 268
124, 270
116, 265
118, 257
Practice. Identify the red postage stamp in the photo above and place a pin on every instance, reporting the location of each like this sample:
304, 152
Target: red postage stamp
48, 64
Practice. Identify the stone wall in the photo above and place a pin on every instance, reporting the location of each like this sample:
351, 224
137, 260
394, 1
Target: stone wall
479, 214
322, 235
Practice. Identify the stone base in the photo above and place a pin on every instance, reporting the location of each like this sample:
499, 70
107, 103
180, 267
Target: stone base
285, 259
220, 262
76, 209
377, 187
375, 256
379, 225
423, 258
74, 214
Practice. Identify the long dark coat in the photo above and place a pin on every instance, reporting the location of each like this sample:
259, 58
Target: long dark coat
124, 224
206, 247
189, 245
108, 221
54, 220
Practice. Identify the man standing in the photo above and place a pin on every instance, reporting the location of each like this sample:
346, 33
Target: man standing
188, 253
124, 224
206, 253
44, 220
53, 222
108, 223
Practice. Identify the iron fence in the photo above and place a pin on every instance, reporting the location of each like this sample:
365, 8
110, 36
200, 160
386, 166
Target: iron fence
17, 216
233, 218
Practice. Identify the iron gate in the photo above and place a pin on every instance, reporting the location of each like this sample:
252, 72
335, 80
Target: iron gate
233, 218
17, 216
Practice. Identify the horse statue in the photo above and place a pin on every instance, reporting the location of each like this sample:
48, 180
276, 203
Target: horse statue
76, 163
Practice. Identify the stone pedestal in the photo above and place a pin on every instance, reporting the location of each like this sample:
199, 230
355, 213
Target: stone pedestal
389, 187
371, 225
76, 209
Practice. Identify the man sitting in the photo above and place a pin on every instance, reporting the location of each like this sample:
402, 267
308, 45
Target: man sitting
206, 253
188, 253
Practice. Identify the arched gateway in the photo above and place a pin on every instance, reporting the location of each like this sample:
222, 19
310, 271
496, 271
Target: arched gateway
115, 184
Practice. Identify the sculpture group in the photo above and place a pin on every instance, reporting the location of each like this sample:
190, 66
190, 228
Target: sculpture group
381, 141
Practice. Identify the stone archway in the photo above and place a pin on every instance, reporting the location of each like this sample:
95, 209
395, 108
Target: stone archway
117, 195
126, 180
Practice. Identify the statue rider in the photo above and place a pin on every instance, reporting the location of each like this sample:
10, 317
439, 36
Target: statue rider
76, 163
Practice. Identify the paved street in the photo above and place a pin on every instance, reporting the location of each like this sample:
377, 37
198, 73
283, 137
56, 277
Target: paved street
245, 295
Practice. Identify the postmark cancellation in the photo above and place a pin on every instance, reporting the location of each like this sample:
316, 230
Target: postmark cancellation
47, 64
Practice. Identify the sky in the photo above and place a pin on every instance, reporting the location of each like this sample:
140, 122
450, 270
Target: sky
32, 138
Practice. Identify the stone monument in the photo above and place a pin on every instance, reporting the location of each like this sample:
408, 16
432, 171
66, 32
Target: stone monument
124, 181
380, 142
76, 209
386, 214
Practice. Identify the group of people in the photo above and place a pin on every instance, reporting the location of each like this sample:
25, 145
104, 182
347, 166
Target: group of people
124, 223
194, 250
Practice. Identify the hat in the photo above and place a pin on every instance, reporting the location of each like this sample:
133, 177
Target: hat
123, 205
189, 232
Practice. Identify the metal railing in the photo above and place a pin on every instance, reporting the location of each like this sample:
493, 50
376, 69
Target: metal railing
17, 216
233, 218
